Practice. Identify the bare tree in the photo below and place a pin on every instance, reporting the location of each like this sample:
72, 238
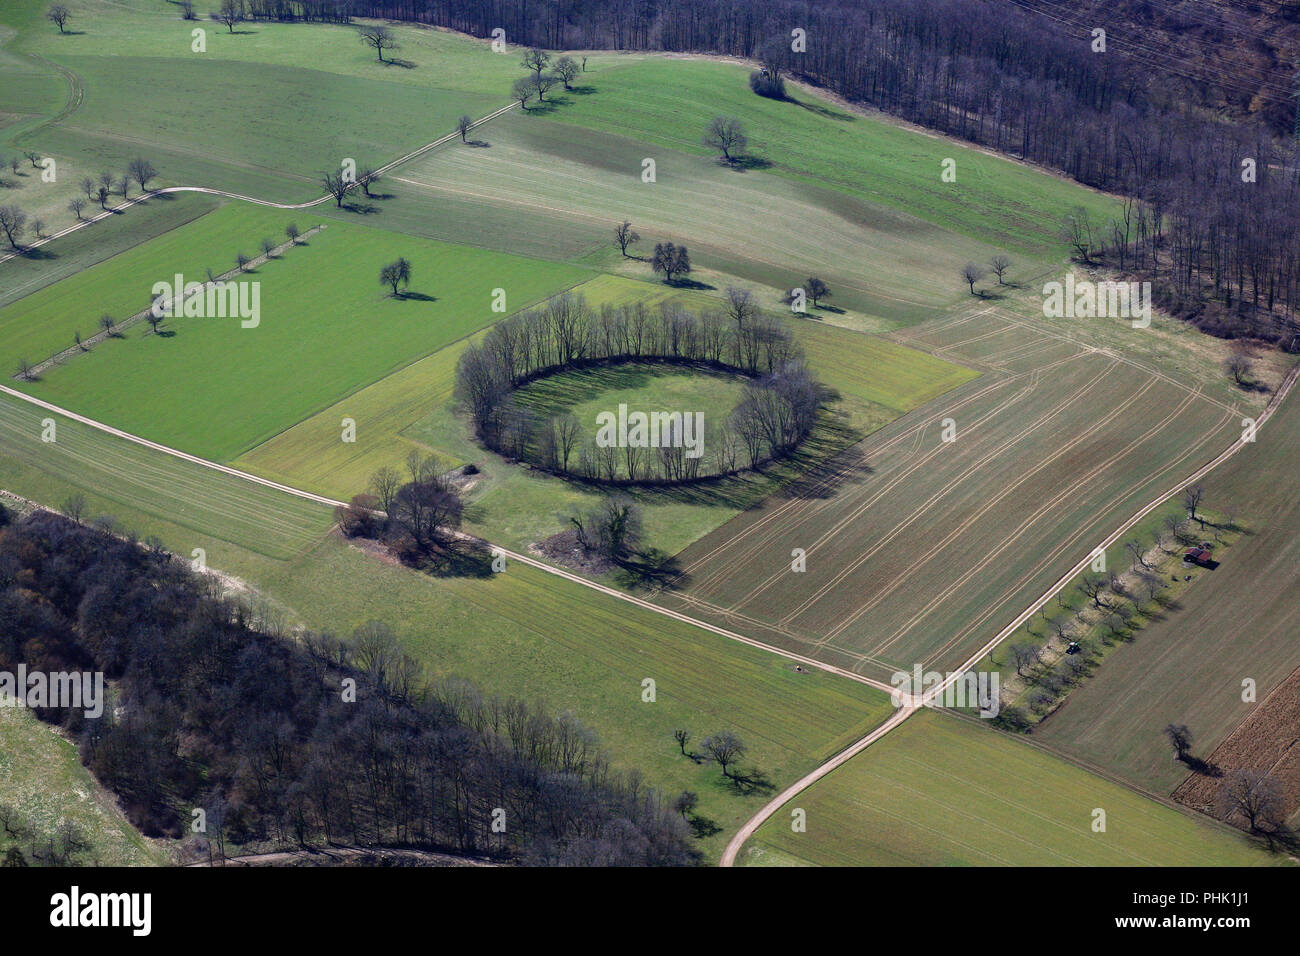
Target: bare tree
1094, 585
523, 89
38, 227
816, 290
1076, 230
536, 60
337, 185
724, 749
682, 736
13, 221
1180, 737
75, 205
1000, 264
1192, 501
464, 125
1254, 795
380, 38
971, 273
625, 235
1138, 553
292, 232
142, 171
1239, 366
566, 69
385, 483
58, 14
725, 133
230, 14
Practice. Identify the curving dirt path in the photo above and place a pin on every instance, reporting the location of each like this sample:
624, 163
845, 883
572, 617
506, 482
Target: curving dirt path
106, 213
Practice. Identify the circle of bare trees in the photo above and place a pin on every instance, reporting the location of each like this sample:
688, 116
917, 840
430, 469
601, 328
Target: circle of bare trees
773, 418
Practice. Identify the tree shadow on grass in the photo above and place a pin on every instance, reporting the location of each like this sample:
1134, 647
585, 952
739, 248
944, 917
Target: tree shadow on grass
692, 284
585, 90
820, 110
415, 296
652, 569
751, 781
478, 143
743, 164
403, 64
36, 253
703, 827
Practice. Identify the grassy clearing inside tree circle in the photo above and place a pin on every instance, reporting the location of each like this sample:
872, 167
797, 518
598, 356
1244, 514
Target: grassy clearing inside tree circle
642, 387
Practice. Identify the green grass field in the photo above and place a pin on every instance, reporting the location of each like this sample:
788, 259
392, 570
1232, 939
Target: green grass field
814, 142
321, 304
44, 322
940, 791
42, 776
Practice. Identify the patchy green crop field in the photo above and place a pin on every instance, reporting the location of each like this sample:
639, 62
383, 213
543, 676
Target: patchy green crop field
941, 791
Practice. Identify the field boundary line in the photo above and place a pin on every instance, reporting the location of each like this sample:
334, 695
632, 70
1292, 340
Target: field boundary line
909, 708
512, 555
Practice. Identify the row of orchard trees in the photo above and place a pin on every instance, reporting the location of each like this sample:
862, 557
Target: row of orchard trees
778, 411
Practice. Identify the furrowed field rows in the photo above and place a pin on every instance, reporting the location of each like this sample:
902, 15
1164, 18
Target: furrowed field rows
939, 535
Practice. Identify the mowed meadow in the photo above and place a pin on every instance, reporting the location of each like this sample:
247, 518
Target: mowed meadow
326, 328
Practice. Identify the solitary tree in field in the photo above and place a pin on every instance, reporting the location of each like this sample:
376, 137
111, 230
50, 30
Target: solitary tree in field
187, 9
625, 235
566, 68
25, 370
536, 60
725, 133
395, 273
38, 227
464, 125
816, 290
34, 158
58, 14
971, 272
1000, 264
230, 14
13, 221
142, 171
75, 205
1180, 737
380, 38
522, 90
106, 322
1239, 366
291, 231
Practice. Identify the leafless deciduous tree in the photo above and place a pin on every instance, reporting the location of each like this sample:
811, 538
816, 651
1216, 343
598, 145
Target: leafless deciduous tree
625, 236
59, 15
1254, 796
725, 749
727, 135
